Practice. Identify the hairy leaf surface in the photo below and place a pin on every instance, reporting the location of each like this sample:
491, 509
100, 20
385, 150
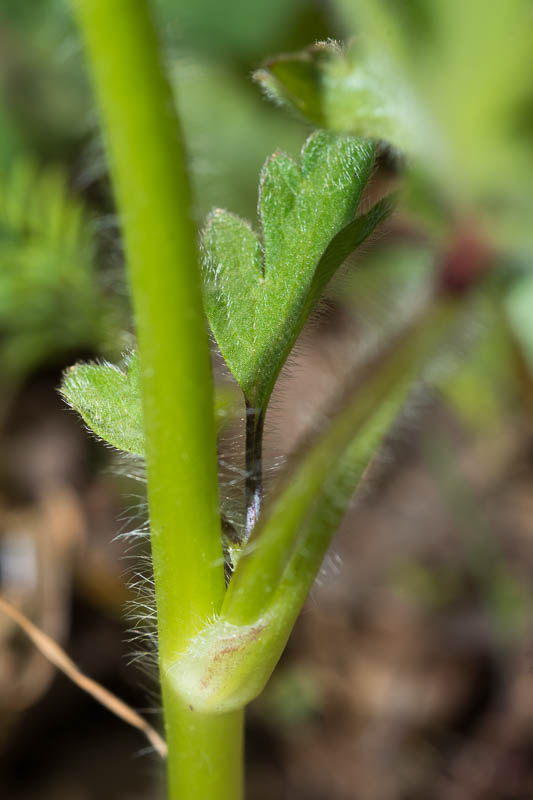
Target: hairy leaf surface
109, 401
261, 288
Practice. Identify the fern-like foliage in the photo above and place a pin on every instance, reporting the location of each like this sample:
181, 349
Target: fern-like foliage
50, 300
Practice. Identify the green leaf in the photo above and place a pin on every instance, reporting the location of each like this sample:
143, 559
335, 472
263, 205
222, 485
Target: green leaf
109, 401
341, 89
295, 81
260, 289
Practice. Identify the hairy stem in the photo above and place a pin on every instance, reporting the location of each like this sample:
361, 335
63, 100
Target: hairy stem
147, 163
253, 482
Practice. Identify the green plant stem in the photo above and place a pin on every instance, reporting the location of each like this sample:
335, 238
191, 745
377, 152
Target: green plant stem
148, 169
207, 752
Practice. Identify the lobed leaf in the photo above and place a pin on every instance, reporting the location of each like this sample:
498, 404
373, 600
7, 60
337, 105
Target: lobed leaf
259, 289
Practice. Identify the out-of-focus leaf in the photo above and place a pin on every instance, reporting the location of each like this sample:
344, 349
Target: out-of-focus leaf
259, 289
50, 300
340, 89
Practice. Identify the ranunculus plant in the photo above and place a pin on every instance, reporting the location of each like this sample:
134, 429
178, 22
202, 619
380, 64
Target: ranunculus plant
254, 285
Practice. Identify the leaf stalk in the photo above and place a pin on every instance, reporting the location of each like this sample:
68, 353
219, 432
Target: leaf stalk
253, 481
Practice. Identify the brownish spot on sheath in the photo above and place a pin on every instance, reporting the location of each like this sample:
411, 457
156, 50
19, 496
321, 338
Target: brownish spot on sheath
252, 634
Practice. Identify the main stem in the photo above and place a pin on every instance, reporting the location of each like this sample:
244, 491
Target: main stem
150, 180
